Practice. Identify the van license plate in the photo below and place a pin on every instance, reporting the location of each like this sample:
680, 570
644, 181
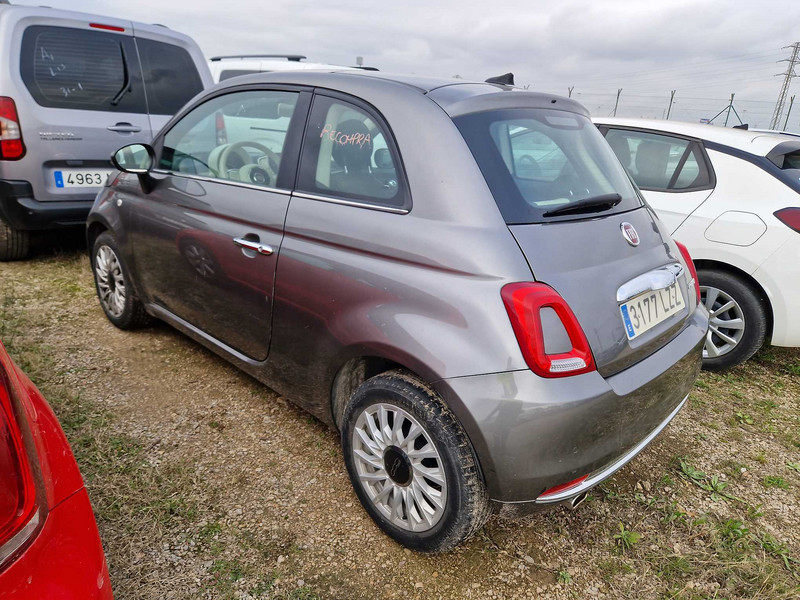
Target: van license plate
81, 178
645, 311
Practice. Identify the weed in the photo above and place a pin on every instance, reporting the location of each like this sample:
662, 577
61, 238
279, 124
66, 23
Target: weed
794, 466
743, 419
732, 531
775, 481
564, 577
626, 538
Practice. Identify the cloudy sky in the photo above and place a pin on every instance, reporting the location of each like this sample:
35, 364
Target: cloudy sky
704, 50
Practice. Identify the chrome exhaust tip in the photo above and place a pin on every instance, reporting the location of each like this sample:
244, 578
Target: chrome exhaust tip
575, 501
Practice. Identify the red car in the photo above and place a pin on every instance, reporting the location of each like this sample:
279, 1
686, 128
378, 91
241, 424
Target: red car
49, 545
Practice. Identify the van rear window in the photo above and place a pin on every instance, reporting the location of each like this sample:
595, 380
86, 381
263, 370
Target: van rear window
79, 69
171, 76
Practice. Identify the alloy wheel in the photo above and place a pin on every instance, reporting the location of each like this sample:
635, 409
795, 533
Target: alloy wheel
110, 281
726, 322
399, 467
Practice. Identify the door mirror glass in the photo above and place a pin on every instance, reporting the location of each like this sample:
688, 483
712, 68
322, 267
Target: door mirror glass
135, 158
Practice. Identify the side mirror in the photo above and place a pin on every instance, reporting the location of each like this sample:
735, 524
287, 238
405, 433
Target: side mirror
137, 159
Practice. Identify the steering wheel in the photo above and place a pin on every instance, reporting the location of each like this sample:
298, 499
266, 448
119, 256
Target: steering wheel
236, 146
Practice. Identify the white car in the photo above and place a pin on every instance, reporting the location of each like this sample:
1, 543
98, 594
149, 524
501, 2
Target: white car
733, 197
225, 67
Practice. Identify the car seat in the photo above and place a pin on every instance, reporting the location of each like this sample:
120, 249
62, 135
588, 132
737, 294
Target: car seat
651, 165
353, 153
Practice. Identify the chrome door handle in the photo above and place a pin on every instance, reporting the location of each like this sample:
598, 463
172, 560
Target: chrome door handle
124, 128
256, 246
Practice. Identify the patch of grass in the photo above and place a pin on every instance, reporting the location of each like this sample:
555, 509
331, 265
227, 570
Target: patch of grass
775, 481
675, 566
626, 538
732, 531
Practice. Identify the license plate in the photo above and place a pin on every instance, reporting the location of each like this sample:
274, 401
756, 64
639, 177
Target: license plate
645, 311
81, 178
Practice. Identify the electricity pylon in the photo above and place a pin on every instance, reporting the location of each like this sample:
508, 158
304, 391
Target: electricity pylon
788, 76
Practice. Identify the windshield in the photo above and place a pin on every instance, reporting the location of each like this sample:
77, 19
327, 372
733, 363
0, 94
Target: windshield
537, 160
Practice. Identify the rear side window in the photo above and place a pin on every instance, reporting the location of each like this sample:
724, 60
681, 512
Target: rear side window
88, 70
660, 162
538, 160
348, 154
170, 75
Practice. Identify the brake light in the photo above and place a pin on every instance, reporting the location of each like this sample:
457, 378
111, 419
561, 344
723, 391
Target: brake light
11, 145
690, 265
524, 302
222, 135
106, 27
17, 485
789, 217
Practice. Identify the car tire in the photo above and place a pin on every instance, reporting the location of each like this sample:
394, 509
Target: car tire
422, 487
115, 291
736, 333
14, 244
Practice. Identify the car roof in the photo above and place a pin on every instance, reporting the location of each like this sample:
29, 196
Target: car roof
754, 142
455, 96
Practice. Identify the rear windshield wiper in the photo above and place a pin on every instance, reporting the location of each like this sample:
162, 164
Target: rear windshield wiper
587, 205
126, 79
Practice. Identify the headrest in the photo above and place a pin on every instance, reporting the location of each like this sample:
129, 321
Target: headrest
352, 145
619, 144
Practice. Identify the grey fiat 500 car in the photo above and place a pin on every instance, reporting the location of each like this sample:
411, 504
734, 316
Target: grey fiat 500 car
459, 277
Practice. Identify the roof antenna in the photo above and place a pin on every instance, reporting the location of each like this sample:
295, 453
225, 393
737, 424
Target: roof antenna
742, 126
507, 79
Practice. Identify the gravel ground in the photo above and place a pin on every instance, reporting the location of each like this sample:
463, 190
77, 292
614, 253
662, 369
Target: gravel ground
206, 484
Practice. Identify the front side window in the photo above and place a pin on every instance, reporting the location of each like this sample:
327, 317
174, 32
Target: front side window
540, 160
660, 162
170, 76
237, 137
347, 154
79, 69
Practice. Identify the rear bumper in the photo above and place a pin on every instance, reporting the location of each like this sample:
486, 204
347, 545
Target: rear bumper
779, 275
20, 210
531, 434
65, 560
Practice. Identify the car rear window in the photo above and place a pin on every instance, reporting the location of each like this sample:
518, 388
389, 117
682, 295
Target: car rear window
536, 160
171, 76
64, 67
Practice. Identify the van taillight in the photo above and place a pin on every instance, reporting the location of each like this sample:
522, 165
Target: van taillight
222, 135
524, 303
690, 265
11, 146
18, 508
789, 217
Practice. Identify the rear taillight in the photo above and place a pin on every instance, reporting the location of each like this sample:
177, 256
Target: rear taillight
687, 258
222, 134
524, 303
789, 217
11, 145
561, 488
18, 505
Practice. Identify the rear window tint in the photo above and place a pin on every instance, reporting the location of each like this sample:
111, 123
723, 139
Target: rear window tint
171, 76
75, 68
537, 160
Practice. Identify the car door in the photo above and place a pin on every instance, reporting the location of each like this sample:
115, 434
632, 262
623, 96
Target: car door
86, 100
206, 239
673, 173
